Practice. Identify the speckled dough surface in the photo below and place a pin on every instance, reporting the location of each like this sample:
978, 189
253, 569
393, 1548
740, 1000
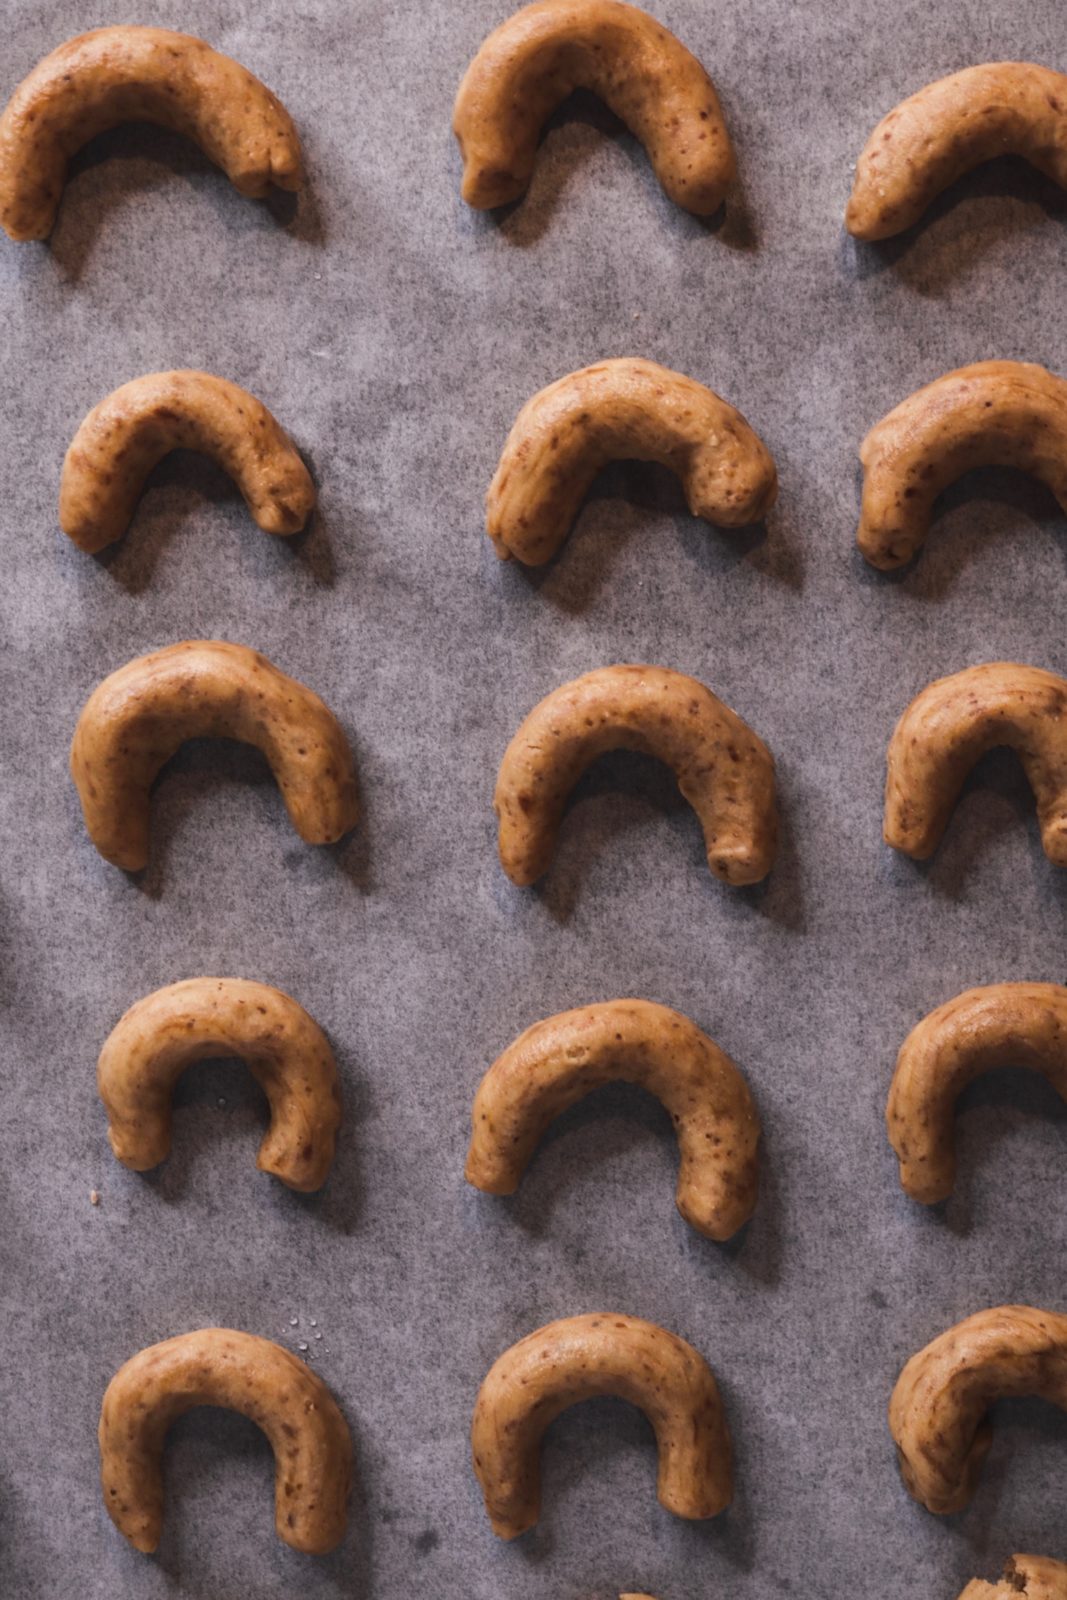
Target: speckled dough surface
937, 1413
269, 1385
602, 1353
132, 724
993, 109
994, 413
1000, 1025
545, 51
623, 409
557, 1062
723, 769
131, 430
203, 1019
97, 80
951, 725
395, 332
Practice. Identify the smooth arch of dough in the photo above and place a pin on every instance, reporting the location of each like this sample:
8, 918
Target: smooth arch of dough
950, 725
994, 413
133, 74
619, 410
123, 438
273, 1388
723, 769
137, 718
1003, 1025
937, 1413
633, 63
600, 1354
558, 1061
1033, 1577
999, 108
285, 1050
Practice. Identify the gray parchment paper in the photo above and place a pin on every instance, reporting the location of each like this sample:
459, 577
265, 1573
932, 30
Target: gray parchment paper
397, 334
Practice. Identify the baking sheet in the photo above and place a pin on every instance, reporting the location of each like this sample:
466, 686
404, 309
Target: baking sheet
396, 334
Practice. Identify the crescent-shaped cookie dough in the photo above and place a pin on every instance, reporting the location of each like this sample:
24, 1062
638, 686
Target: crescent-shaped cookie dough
133, 74
135, 720
937, 1412
574, 1359
625, 409
999, 108
723, 769
632, 62
1034, 1577
1004, 1025
285, 1050
123, 438
950, 725
220, 1367
558, 1061
994, 413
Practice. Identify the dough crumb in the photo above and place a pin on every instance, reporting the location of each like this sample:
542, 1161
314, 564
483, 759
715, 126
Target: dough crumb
94, 1197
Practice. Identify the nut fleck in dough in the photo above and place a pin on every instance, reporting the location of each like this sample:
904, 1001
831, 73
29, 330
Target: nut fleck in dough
1035, 1577
626, 409
724, 770
636, 66
220, 1367
131, 74
284, 1049
937, 1412
574, 1359
1004, 1025
136, 719
950, 725
558, 1061
123, 438
932, 138
994, 413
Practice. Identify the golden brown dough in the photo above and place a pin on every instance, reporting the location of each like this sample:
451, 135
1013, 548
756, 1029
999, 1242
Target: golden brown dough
1035, 1577
136, 719
929, 140
637, 67
994, 413
131, 74
626, 409
937, 1412
950, 725
1003, 1025
558, 1061
285, 1050
123, 438
220, 1367
574, 1359
723, 769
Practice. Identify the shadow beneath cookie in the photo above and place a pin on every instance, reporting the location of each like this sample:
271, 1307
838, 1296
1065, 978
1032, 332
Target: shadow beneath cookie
626, 792
1001, 200
213, 770
988, 1113
217, 1455
982, 510
614, 513
571, 137
175, 494
996, 799
122, 167
591, 1443
1022, 1428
